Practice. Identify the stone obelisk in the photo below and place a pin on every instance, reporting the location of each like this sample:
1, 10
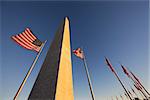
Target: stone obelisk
54, 81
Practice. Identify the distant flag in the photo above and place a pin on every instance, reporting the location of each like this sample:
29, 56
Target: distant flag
27, 40
125, 71
137, 81
109, 64
79, 53
112, 69
135, 78
137, 86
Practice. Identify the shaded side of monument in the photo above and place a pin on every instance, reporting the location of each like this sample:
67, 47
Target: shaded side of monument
54, 81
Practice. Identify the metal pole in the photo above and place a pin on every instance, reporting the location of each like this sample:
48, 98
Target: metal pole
130, 94
139, 91
122, 85
144, 94
126, 96
136, 95
144, 88
134, 80
140, 85
88, 77
29, 72
141, 95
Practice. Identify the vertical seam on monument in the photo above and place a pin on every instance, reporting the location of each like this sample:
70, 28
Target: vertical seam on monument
59, 60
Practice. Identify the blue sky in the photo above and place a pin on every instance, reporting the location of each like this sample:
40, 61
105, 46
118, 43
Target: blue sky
116, 29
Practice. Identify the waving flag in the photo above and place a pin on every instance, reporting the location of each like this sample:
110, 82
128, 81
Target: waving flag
137, 86
109, 64
125, 71
79, 53
27, 40
135, 78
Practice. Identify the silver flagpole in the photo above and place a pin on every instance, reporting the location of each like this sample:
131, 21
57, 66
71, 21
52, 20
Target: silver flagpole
29, 72
88, 77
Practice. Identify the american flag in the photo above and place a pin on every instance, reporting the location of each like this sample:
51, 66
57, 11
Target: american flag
27, 40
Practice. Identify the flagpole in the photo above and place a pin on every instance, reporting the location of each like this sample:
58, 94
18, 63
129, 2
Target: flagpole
118, 79
130, 94
29, 72
144, 94
144, 88
134, 92
88, 77
140, 85
134, 80
141, 95
122, 85
126, 95
146, 91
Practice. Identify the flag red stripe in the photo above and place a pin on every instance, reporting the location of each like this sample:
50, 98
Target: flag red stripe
18, 37
20, 43
21, 39
26, 39
30, 33
33, 46
30, 43
24, 34
25, 43
27, 33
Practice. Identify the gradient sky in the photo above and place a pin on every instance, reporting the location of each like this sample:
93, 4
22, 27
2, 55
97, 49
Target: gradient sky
115, 29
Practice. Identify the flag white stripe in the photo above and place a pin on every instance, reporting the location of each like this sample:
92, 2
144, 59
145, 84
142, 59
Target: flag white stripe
20, 43
30, 43
23, 33
32, 48
29, 31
